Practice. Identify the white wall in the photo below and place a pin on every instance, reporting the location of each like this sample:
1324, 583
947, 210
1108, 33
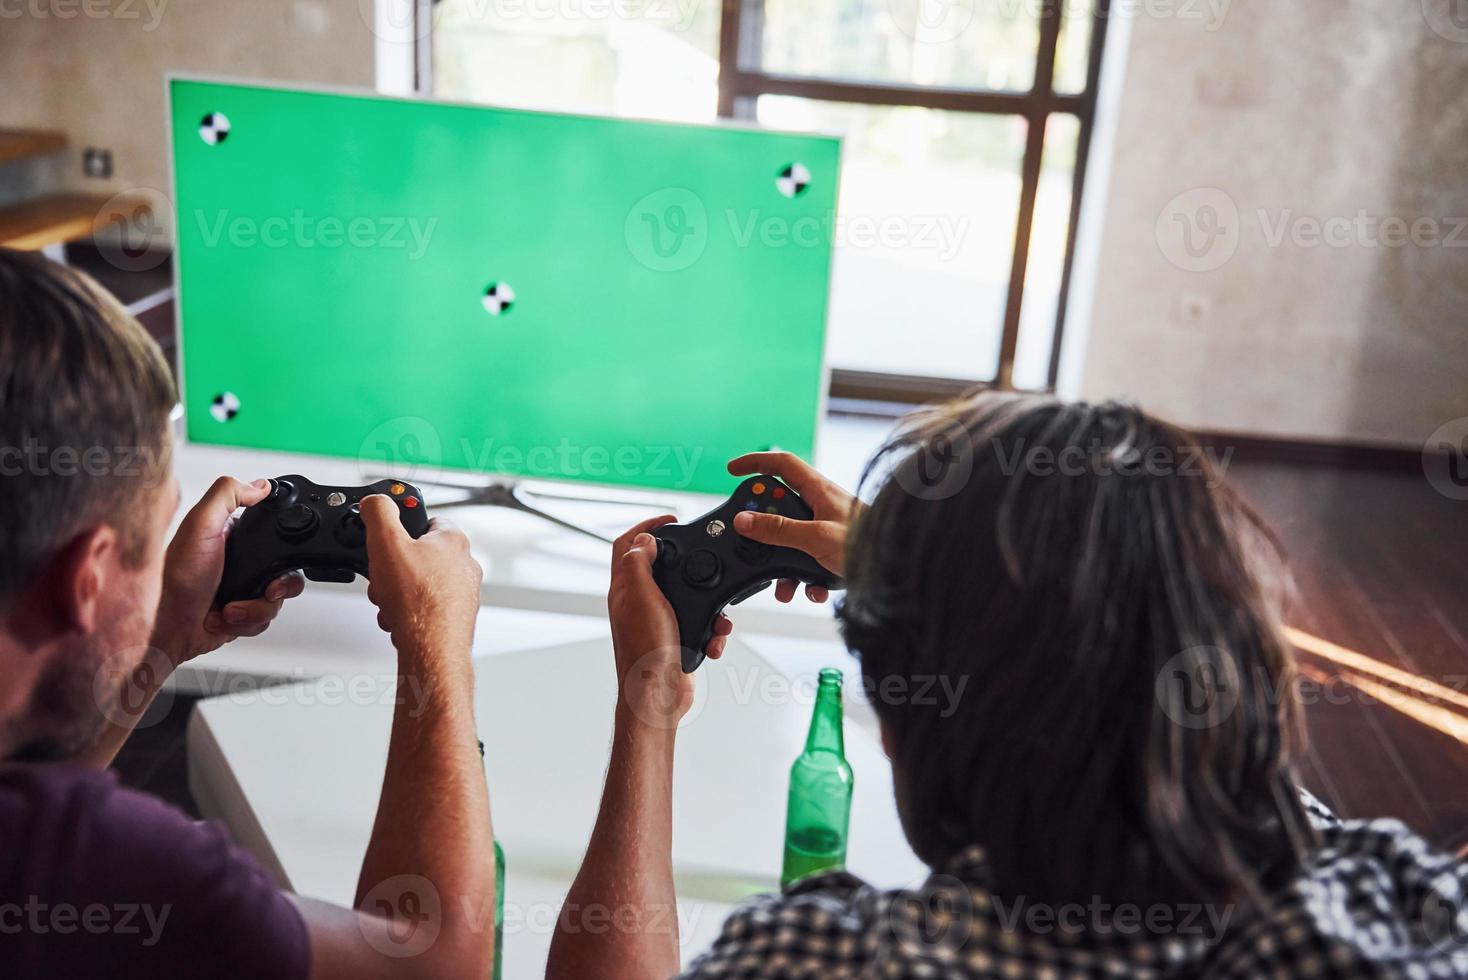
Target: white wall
1272, 111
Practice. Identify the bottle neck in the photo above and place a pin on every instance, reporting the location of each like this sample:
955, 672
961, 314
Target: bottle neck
825, 720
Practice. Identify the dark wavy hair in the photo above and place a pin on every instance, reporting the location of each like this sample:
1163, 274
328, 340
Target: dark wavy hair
1127, 723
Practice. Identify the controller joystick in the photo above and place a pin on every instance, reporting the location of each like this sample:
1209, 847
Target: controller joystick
705, 565
701, 569
317, 529
281, 494
297, 522
351, 531
667, 556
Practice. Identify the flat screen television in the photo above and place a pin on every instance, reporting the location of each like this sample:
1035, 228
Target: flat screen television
525, 294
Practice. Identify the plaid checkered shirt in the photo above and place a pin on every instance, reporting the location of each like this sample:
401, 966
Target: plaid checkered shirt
1372, 900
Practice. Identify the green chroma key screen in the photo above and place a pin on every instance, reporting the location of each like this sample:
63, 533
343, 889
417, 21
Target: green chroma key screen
500, 291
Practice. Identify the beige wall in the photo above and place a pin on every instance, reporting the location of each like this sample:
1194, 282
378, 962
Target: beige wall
1306, 109
100, 79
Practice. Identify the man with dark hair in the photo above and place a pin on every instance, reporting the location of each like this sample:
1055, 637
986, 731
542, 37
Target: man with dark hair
1114, 795
96, 880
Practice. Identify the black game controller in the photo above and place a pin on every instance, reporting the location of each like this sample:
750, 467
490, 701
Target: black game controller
705, 565
314, 528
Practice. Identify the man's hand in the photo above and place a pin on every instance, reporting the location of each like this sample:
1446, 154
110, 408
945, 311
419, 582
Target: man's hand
187, 626
823, 538
426, 590
645, 633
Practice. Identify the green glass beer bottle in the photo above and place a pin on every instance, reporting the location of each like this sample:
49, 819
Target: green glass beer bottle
499, 910
499, 900
820, 790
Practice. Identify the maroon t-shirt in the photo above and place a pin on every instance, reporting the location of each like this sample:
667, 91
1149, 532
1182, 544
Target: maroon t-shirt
97, 880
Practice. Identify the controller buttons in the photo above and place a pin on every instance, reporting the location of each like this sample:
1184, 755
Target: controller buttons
410, 502
336, 498
280, 494
778, 492
758, 489
772, 510
752, 505
397, 489
715, 528
297, 522
701, 569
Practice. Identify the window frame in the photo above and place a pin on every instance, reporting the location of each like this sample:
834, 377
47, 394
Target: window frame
740, 30
739, 86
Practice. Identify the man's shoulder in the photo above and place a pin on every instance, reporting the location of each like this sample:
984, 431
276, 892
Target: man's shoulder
99, 873
81, 814
29, 790
1369, 898
27, 786
834, 899
818, 924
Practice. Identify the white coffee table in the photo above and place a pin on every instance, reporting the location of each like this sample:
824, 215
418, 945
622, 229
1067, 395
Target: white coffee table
295, 772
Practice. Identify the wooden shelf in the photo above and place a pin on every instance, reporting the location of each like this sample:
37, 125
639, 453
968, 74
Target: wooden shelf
20, 144
60, 218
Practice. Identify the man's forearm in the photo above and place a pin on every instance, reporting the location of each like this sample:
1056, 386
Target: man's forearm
432, 840
620, 917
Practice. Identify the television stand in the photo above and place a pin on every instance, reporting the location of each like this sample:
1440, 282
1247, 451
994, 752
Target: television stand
510, 495
501, 494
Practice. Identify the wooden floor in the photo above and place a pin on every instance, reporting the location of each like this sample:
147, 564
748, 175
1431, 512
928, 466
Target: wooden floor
1380, 562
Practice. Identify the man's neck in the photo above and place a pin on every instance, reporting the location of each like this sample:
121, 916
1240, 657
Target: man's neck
21, 667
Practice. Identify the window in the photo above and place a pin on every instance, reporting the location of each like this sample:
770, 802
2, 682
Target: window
966, 126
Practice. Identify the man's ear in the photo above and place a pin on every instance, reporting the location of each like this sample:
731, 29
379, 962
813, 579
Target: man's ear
72, 584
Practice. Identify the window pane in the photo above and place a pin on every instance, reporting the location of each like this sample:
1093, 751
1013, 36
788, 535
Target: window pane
652, 59
987, 44
924, 234
1072, 49
1047, 253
